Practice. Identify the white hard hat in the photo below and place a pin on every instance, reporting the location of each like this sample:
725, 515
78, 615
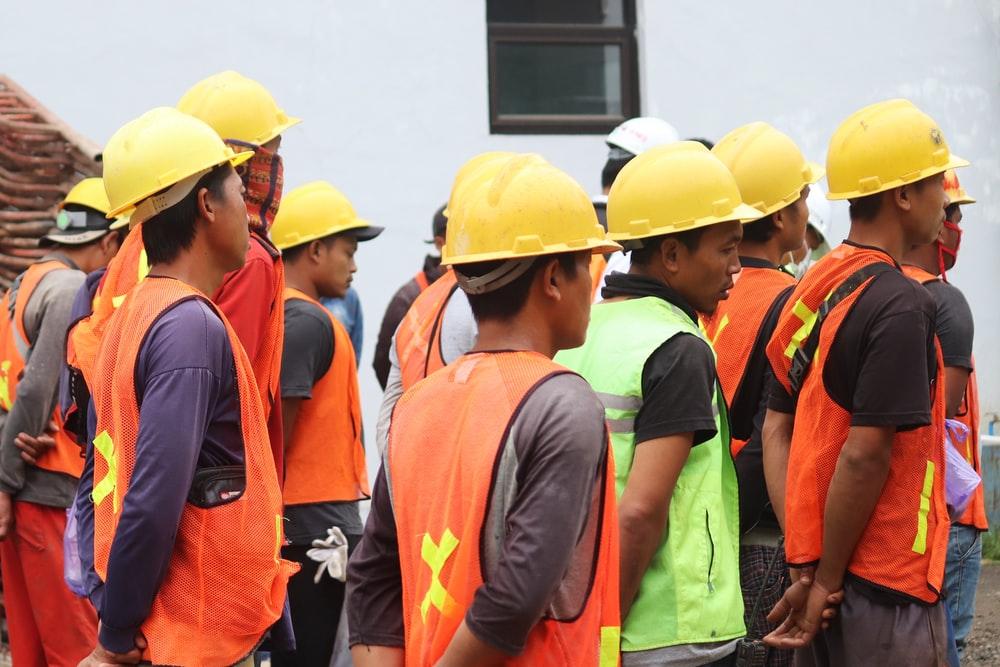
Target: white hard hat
819, 210
637, 135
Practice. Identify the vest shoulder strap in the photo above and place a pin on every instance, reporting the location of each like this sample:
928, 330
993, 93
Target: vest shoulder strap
757, 364
803, 357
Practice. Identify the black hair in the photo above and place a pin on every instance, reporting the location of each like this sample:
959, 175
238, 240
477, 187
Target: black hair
760, 231
291, 255
508, 301
611, 169
690, 239
866, 208
168, 233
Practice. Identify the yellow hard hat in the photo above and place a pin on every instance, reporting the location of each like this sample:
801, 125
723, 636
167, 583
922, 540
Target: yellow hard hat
90, 193
769, 168
520, 207
314, 211
956, 193
237, 108
471, 166
883, 146
673, 188
161, 150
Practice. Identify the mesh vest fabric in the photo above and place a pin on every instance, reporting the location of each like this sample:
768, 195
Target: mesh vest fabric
691, 592
418, 337
904, 545
968, 414
447, 435
325, 459
225, 584
734, 326
64, 457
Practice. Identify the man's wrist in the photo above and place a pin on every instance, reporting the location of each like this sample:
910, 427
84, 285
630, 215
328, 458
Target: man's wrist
117, 640
829, 579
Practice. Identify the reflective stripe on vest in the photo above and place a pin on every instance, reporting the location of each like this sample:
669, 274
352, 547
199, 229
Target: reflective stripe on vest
449, 435
325, 458
904, 545
968, 414
15, 351
418, 337
225, 582
670, 608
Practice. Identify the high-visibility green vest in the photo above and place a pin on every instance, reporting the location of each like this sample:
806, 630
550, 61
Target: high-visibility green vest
691, 592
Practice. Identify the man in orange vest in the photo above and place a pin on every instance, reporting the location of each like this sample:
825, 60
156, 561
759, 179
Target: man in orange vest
927, 265
854, 433
186, 526
464, 561
773, 177
406, 295
48, 624
248, 118
318, 232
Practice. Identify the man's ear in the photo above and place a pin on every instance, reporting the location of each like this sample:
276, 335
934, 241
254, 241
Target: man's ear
778, 218
670, 250
206, 205
902, 197
552, 279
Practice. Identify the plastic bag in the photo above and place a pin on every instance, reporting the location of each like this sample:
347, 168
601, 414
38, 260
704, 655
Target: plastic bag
961, 479
72, 567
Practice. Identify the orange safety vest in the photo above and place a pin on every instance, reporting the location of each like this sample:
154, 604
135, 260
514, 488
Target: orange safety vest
446, 438
597, 267
418, 337
325, 459
65, 457
735, 325
968, 414
904, 545
421, 280
225, 583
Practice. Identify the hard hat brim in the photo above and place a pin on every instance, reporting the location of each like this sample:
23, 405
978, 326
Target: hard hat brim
280, 129
742, 213
120, 222
954, 162
235, 160
594, 245
357, 228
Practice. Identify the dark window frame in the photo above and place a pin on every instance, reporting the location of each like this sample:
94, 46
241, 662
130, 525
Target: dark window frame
559, 34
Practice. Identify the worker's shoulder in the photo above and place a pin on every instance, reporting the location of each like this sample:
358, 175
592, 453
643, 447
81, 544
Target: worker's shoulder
189, 324
301, 313
564, 395
891, 292
65, 279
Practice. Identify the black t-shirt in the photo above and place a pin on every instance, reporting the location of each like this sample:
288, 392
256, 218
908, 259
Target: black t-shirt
882, 361
955, 327
678, 379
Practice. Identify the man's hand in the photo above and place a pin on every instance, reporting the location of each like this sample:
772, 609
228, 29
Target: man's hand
6, 515
101, 657
33, 448
805, 607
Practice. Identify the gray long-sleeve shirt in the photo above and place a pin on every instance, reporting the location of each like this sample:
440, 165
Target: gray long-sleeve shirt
46, 318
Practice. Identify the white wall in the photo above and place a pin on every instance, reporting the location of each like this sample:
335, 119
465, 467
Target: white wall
394, 96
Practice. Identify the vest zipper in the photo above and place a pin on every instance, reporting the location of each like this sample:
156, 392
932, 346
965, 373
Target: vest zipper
711, 553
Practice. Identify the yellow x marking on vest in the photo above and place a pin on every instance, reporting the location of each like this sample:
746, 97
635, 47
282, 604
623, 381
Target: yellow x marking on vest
5, 401
808, 319
718, 332
104, 446
436, 555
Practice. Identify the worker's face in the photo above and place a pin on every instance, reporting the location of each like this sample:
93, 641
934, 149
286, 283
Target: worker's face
794, 219
571, 313
229, 235
704, 275
927, 204
336, 267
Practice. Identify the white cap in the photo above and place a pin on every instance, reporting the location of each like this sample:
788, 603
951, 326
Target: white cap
819, 210
637, 135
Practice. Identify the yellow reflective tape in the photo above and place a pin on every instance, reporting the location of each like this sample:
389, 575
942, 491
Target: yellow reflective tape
610, 644
143, 265
277, 538
722, 325
104, 446
808, 319
436, 556
5, 401
920, 542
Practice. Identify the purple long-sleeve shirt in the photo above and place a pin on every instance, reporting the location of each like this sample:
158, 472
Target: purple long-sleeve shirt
189, 419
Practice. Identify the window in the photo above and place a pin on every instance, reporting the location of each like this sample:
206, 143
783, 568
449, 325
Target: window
561, 66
